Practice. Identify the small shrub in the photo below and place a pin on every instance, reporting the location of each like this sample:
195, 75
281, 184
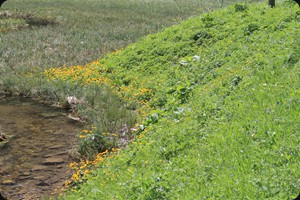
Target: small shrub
240, 7
251, 28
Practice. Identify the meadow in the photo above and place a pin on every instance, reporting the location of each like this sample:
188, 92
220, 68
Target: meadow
36, 35
207, 108
57, 33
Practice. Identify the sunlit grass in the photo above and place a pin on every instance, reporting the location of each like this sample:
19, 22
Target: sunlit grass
64, 36
206, 109
85, 30
222, 110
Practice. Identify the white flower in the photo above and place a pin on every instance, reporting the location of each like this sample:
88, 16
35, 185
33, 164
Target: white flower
183, 62
196, 57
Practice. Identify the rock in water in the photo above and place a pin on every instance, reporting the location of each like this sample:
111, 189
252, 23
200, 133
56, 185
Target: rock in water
53, 161
2, 137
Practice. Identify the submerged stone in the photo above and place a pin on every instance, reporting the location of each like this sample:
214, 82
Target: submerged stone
53, 161
38, 168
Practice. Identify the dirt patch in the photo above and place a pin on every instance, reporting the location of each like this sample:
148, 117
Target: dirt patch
13, 21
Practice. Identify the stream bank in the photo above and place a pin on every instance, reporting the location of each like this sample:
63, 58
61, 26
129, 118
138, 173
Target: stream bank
34, 161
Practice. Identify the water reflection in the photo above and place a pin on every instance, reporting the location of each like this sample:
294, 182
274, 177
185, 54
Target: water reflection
33, 163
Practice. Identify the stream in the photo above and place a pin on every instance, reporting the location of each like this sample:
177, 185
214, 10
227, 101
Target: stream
34, 160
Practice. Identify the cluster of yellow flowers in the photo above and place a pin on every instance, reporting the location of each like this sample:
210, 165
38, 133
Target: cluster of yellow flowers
81, 170
88, 74
85, 132
96, 73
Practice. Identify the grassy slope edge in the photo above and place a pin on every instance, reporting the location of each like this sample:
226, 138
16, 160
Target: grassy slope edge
224, 100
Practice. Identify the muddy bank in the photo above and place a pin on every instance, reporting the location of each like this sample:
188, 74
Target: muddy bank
33, 163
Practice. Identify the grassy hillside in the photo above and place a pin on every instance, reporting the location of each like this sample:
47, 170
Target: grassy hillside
216, 100
220, 94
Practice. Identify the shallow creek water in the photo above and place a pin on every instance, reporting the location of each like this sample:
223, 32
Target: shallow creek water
33, 163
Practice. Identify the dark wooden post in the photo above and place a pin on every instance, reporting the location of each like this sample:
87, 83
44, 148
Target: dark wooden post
2, 197
298, 2
1, 2
272, 3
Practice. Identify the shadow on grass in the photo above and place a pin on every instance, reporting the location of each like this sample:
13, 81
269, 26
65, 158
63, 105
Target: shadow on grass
12, 21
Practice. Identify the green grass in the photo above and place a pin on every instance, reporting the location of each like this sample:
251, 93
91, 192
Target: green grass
36, 35
224, 120
216, 99
82, 31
